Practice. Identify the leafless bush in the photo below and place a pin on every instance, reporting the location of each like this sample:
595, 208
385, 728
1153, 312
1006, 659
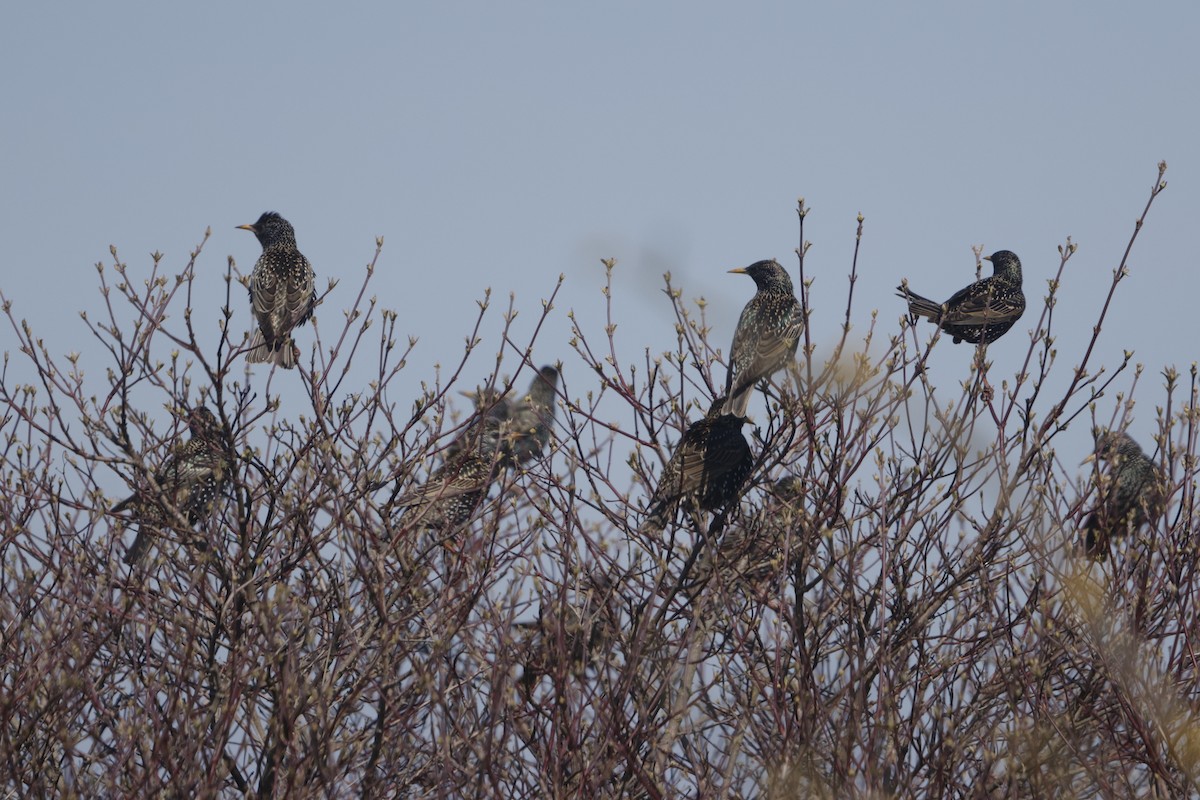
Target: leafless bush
897, 606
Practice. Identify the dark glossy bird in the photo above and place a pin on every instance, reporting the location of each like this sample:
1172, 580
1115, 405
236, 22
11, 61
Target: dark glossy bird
767, 334
711, 463
186, 485
282, 292
983, 311
531, 418
1131, 491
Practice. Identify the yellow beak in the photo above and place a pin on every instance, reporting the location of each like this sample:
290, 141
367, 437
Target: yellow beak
246, 228
738, 271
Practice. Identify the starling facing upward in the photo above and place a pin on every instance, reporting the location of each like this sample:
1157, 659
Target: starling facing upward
189, 482
983, 311
282, 291
711, 461
1130, 495
766, 336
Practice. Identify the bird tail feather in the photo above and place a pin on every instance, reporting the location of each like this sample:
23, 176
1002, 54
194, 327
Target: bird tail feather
655, 521
920, 305
261, 353
124, 504
140, 544
738, 401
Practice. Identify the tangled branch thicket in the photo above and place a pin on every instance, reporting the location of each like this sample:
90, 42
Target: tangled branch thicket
897, 605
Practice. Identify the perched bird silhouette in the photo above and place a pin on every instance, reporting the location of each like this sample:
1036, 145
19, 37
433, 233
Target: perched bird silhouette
531, 418
711, 462
983, 311
767, 334
187, 484
1131, 493
282, 292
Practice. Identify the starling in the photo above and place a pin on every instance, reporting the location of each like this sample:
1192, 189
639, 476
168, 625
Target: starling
573, 633
454, 490
282, 292
767, 334
711, 461
524, 423
189, 482
1131, 494
532, 417
983, 311
492, 412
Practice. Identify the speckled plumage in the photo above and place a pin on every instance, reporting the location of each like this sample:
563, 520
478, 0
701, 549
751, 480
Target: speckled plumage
981, 312
711, 462
189, 482
504, 431
766, 336
282, 292
490, 421
572, 633
1131, 493
453, 492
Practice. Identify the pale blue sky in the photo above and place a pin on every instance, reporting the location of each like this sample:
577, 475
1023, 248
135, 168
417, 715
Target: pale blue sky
501, 144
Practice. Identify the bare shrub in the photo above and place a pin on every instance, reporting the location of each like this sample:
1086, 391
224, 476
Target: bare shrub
896, 607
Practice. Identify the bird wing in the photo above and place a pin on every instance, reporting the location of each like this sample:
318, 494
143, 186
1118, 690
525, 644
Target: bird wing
770, 350
283, 294
262, 292
983, 302
778, 348
301, 295
671, 480
691, 468
453, 479
684, 472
